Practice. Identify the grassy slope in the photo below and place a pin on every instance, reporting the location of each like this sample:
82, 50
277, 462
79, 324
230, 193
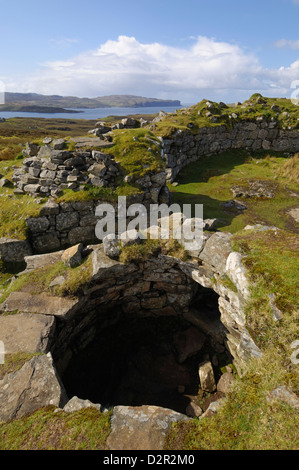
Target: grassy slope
46, 429
196, 116
208, 182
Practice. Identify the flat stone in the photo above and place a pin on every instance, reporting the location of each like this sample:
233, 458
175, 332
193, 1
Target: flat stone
214, 407
294, 213
237, 273
38, 224
58, 144
141, 428
104, 267
26, 332
193, 410
46, 242
50, 208
65, 221
40, 261
111, 246
4, 182
91, 142
283, 394
38, 303
81, 234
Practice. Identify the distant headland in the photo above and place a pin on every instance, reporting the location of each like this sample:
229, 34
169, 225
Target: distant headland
33, 102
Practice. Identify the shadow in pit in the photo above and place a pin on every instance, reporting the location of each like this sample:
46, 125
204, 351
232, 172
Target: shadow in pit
142, 361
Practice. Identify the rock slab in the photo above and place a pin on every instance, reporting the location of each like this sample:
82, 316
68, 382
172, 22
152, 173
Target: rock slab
141, 428
34, 386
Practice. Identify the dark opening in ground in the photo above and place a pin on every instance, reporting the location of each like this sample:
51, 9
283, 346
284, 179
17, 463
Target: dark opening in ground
145, 361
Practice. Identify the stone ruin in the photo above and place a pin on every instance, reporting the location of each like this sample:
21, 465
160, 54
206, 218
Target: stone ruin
141, 338
48, 170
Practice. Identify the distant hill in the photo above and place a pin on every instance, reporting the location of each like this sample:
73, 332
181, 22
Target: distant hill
29, 100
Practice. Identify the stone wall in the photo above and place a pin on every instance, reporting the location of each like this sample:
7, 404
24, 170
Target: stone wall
67, 223
162, 286
46, 171
185, 147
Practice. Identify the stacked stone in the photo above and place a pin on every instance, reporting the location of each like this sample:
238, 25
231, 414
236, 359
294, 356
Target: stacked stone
63, 224
102, 130
185, 147
48, 170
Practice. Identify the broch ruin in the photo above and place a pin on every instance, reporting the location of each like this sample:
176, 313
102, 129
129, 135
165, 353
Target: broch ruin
141, 337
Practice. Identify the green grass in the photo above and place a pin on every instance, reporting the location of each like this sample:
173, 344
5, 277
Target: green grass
14, 362
138, 151
248, 421
15, 209
137, 253
194, 118
272, 259
209, 182
39, 280
46, 429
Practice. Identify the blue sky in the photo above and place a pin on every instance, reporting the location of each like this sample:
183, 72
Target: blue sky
186, 49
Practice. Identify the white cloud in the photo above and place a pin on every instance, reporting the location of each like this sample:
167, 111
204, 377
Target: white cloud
293, 44
64, 42
208, 68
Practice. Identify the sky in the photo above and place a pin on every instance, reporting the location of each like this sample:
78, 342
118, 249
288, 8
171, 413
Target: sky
187, 50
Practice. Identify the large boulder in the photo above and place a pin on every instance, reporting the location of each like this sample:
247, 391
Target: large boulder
14, 251
34, 386
216, 251
141, 428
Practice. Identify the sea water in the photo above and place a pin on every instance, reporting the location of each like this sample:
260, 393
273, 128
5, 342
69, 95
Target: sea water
93, 114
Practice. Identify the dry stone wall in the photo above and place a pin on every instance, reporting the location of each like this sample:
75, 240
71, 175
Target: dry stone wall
62, 224
185, 147
46, 171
